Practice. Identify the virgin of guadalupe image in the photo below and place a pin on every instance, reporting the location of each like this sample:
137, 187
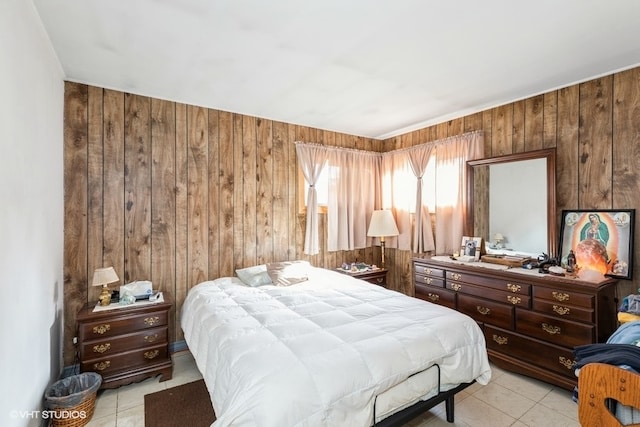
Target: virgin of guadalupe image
595, 229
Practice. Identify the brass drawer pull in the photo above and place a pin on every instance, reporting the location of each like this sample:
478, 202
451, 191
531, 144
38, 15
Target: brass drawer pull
150, 321
101, 348
428, 271
514, 300
560, 296
101, 366
483, 310
513, 288
553, 330
151, 354
456, 286
428, 280
151, 338
101, 329
433, 297
561, 310
500, 340
567, 363
456, 276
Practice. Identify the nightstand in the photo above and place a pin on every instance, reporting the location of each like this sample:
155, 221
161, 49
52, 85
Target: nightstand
377, 277
126, 344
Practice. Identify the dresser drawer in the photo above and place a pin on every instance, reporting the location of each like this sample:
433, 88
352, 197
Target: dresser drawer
436, 295
121, 325
561, 332
428, 280
106, 346
486, 311
564, 311
500, 284
424, 270
107, 365
575, 299
492, 294
544, 355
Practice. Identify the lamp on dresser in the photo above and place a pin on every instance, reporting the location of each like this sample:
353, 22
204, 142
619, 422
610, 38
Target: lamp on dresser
103, 277
382, 224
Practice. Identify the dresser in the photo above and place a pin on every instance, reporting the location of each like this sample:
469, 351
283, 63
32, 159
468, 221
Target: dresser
531, 321
125, 345
377, 277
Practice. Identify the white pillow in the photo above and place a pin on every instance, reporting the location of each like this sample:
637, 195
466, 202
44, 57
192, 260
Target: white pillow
288, 272
254, 276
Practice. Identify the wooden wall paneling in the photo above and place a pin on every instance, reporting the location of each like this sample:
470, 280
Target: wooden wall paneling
227, 193
163, 200
113, 193
249, 195
137, 141
626, 139
534, 123
264, 201
75, 209
197, 195
487, 117
456, 127
550, 119
517, 125
295, 245
280, 190
238, 196
567, 150
626, 154
473, 122
595, 136
502, 126
182, 284
214, 185
95, 181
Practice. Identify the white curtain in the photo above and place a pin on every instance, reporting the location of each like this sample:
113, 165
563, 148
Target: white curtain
312, 159
451, 178
398, 194
354, 182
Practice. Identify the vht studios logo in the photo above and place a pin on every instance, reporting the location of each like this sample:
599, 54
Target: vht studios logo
50, 414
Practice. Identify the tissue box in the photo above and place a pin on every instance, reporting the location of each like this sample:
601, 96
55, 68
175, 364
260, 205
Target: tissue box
141, 289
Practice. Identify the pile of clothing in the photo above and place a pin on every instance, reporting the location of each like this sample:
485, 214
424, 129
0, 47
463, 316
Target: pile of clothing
622, 349
629, 310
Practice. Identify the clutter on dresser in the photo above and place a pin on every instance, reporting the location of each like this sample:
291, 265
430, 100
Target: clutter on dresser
357, 267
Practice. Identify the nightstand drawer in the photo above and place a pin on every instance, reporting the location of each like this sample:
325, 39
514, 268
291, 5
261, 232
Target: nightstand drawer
112, 345
127, 360
121, 325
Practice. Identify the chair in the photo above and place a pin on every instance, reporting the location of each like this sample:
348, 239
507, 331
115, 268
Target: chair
600, 386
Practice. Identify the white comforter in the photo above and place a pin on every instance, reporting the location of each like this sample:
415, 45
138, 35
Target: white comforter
318, 352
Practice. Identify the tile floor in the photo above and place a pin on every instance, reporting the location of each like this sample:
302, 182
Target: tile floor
508, 400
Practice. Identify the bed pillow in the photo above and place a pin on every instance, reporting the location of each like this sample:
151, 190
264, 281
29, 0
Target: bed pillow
288, 273
254, 276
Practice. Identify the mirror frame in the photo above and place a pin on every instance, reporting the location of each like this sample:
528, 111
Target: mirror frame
550, 155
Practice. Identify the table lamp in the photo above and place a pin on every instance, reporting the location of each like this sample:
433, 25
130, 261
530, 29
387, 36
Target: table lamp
498, 238
102, 277
382, 224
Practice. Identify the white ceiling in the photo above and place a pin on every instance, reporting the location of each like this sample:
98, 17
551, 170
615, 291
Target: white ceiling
374, 68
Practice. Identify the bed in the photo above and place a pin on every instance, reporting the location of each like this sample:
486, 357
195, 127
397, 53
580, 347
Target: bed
315, 347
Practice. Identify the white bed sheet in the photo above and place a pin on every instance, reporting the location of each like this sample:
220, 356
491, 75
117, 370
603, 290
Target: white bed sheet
318, 353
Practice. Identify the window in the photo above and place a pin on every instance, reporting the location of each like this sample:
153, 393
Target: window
322, 190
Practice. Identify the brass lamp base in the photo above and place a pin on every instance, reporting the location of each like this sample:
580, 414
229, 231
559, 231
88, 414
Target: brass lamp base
105, 296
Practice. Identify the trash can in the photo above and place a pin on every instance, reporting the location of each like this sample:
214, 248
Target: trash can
70, 402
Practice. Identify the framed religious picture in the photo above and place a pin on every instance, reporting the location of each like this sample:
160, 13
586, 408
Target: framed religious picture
600, 240
471, 246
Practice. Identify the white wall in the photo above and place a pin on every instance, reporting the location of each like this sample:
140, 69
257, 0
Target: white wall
31, 213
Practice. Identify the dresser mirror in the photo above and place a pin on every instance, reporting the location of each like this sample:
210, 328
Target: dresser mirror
512, 202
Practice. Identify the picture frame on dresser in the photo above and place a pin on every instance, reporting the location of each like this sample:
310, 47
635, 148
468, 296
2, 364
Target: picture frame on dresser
471, 246
601, 240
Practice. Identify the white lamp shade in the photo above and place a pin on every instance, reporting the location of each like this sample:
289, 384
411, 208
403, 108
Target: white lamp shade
382, 224
498, 237
104, 276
